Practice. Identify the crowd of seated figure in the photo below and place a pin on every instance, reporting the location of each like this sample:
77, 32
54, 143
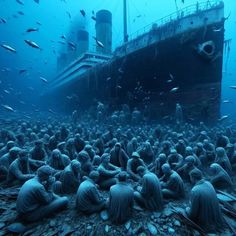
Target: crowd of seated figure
137, 163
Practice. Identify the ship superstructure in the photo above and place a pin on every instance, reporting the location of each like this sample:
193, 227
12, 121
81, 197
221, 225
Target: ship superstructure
176, 59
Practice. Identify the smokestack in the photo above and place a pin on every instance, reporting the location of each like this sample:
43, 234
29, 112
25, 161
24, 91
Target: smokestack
83, 42
104, 31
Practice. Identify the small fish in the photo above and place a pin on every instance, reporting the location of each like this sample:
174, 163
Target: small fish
6, 91
31, 30
217, 30
38, 23
51, 111
69, 97
32, 44
169, 81
63, 36
8, 108
69, 15
109, 78
3, 20
82, 13
182, 1
120, 71
119, 87
100, 44
171, 76
223, 118
61, 42
173, 90
43, 79
165, 117
21, 13
20, 2
72, 45
37, 1
28, 117
226, 101
161, 93
93, 12
31, 88
22, 71
93, 18
9, 48
232, 87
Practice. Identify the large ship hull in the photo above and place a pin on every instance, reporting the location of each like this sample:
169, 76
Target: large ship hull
144, 78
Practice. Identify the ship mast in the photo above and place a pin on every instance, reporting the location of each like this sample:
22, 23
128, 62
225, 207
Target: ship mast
125, 20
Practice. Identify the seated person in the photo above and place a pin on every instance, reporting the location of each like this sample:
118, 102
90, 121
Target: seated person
85, 161
107, 172
58, 161
19, 170
38, 152
119, 157
146, 153
189, 152
156, 166
96, 161
175, 160
149, 195
69, 179
62, 148
121, 200
133, 163
10, 144
36, 199
186, 168
223, 160
220, 178
172, 184
88, 198
6, 160
204, 208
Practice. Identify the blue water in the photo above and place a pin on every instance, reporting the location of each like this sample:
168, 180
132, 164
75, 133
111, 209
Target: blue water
59, 17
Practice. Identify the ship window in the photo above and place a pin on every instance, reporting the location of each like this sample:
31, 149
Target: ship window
208, 48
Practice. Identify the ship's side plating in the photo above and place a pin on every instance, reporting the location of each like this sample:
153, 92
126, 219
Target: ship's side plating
185, 53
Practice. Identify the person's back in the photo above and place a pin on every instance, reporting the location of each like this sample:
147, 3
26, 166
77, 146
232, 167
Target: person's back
152, 192
176, 184
118, 156
70, 178
172, 185
31, 196
83, 193
121, 201
88, 198
19, 171
204, 208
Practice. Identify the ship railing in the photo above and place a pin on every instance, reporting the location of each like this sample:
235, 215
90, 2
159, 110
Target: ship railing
184, 12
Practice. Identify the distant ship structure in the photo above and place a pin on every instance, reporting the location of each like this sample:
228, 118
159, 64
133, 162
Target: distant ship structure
175, 60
